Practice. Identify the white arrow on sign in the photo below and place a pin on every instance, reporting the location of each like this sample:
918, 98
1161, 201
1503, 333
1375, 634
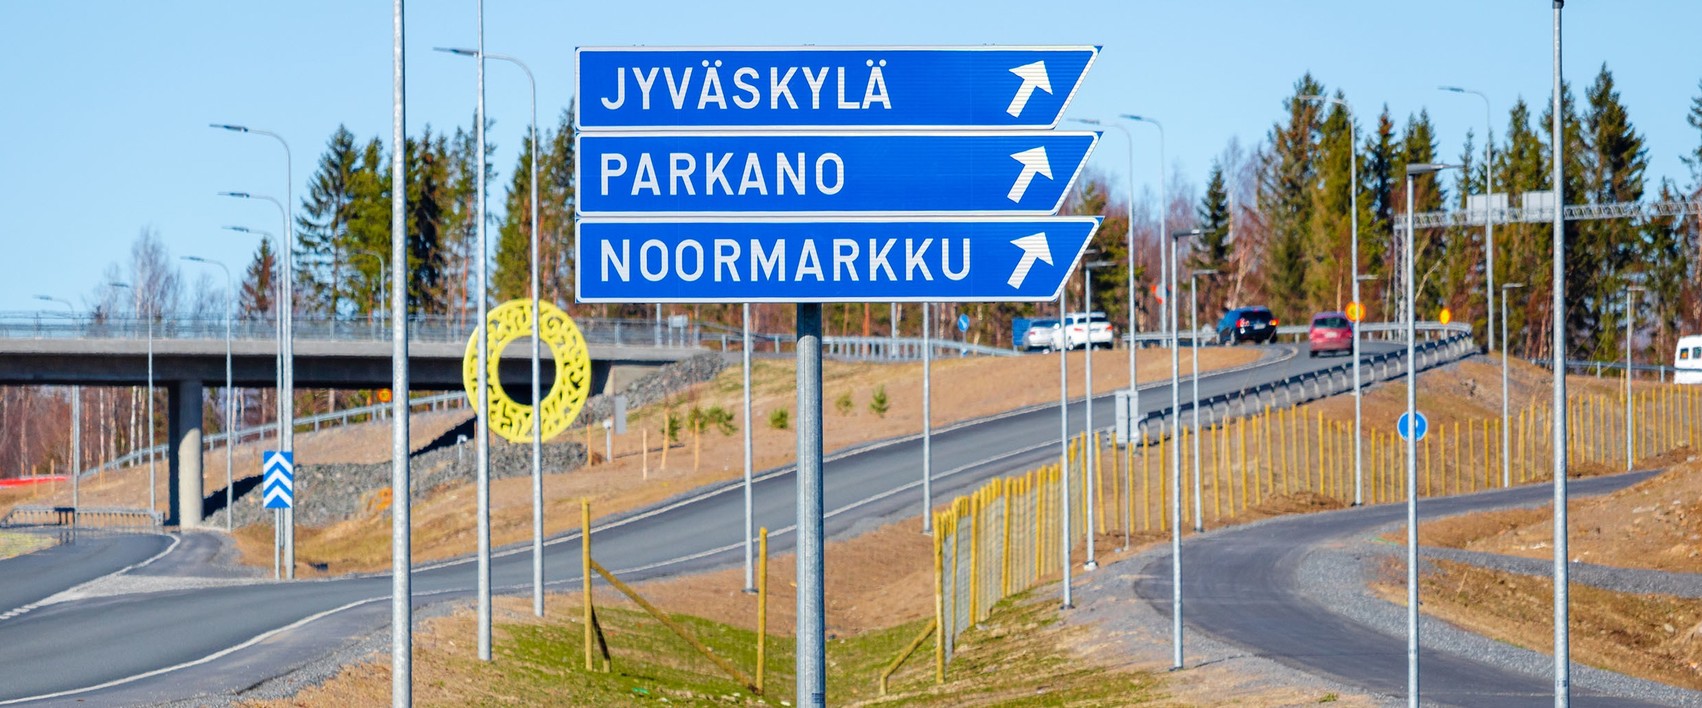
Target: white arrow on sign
1034, 247
276, 493
1033, 77
1033, 162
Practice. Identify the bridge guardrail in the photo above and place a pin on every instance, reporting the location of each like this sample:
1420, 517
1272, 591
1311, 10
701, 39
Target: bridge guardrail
1314, 385
110, 518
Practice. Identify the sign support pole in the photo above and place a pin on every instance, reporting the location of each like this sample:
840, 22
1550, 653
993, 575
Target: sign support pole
927, 422
745, 354
811, 661
401, 532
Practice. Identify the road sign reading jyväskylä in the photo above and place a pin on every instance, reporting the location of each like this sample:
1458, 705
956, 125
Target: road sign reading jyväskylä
638, 88
878, 259
277, 479
1404, 426
672, 174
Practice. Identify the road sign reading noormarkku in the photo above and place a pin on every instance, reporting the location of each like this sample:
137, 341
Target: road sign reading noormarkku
638, 88
908, 259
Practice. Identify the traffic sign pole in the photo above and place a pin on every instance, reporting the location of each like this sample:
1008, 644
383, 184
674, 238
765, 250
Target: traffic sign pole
812, 624
927, 421
401, 498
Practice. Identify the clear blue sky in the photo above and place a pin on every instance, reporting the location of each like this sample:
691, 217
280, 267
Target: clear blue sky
105, 104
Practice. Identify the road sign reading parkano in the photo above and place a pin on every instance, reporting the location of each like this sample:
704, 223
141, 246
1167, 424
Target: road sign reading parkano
662, 174
648, 88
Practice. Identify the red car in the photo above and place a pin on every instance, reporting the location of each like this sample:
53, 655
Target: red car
1330, 332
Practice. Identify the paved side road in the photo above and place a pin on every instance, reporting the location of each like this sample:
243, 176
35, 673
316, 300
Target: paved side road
33, 577
1291, 589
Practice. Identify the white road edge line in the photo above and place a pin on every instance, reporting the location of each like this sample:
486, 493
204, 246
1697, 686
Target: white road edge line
775, 473
56, 597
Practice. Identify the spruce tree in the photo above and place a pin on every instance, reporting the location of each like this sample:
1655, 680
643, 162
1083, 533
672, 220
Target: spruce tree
1212, 249
1582, 320
1418, 145
1286, 183
258, 284
1523, 255
1328, 270
512, 280
428, 193
1377, 178
1607, 249
323, 224
365, 246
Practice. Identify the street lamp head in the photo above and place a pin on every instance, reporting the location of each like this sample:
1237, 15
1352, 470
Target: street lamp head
238, 195
1424, 168
232, 128
1204, 273
47, 298
1098, 264
1131, 116
1451, 89
195, 259
1367, 278
1088, 121
116, 284
1511, 286
1635, 289
457, 51
1190, 232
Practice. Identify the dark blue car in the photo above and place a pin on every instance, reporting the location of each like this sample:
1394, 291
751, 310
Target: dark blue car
1246, 324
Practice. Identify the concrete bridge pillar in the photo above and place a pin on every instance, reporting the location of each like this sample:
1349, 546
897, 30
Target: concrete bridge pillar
184, 429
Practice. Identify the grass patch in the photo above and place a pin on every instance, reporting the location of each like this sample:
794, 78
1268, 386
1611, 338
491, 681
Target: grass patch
1019, 657
1656, 637
14, 544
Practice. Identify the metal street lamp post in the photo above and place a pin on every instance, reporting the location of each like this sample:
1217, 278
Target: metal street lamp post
136, 297
1506, 430
230, 396
1630, 422
1134, 387
1557, 309
1412, 172
1194, 348
1176, 380
1353, 208
286, 328
537, 428
1166, 310
76, 462
1063, 440
277, 324
1488, 208
1087, 375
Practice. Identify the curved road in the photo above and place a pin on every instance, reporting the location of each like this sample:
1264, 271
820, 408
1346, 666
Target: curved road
175, 644
1241, 585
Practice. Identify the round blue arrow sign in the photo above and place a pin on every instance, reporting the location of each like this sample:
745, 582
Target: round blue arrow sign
1404, 425
963, 323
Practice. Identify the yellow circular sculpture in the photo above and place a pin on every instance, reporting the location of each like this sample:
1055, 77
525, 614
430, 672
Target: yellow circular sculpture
512, 321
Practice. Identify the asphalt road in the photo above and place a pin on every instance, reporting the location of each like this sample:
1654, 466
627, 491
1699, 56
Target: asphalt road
181, 643
30, 578
1240, 585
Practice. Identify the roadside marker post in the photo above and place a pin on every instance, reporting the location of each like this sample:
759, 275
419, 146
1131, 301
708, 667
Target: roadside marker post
277, 492
812, 175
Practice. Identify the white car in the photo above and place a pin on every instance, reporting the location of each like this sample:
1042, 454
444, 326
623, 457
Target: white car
1083, 329
1041, 334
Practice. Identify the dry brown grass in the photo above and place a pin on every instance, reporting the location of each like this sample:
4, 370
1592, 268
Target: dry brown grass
1655, 637
1656, 524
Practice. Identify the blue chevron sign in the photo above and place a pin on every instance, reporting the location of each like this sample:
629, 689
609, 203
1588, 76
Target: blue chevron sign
277, 479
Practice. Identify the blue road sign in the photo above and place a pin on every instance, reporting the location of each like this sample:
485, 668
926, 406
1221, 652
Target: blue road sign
1404, 425
641, 88
869, 259
963, 323
277, 479
677, 174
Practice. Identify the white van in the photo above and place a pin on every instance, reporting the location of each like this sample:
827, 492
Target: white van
1688, 360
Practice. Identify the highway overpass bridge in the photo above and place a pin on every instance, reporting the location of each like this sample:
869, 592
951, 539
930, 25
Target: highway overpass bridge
189, 357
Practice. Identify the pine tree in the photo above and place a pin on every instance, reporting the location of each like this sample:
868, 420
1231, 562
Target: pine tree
1418, 145
512, 280
1212, 247
1328, 270
323, 224
428, 192
1615, 161
1285, 193
258, 284
1523, 255
365, 246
